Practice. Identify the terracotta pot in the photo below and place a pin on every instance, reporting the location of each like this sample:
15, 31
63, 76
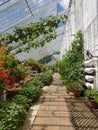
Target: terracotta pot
77, 93
92, 103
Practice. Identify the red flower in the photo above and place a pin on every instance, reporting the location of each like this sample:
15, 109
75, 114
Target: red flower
2, 64
10, 77
1, 72
8, 81
5, 75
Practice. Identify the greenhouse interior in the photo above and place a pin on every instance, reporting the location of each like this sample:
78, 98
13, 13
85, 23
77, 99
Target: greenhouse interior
48, 65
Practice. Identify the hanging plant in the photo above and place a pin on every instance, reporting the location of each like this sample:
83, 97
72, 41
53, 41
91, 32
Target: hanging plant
34, 34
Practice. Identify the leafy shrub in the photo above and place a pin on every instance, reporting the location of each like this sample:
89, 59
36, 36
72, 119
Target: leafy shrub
4, 104
22, 70
13, 113
45, 77
12, 117
31, 92
74, 86
34, 82
22, 100
92, 94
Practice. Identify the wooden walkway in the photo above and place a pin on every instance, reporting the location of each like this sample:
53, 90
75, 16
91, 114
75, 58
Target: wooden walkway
60, 111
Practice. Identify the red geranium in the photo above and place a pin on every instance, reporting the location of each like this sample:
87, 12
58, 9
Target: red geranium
1, 72
5, 79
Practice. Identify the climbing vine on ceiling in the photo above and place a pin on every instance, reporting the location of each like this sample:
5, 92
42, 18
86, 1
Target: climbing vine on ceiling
33, 35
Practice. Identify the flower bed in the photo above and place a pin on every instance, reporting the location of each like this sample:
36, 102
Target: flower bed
13, 113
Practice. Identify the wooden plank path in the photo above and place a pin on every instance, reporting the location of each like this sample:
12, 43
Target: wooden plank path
57, 110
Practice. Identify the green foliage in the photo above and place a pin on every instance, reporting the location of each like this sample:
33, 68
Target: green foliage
22, 100
36, 66
34, 34
34, 82
12, 117
92, 94
44, 68
31, 92
30, 62
56, 66
45, 78
72, 62
13, 113
11, 63
4, 104
22, 70
74, 86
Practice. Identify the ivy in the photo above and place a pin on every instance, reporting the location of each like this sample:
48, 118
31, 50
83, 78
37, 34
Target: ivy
33, 35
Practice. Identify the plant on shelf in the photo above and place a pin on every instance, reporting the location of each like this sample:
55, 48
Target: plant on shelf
92, 96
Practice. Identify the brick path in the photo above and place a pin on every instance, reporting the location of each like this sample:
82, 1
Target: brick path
53, 113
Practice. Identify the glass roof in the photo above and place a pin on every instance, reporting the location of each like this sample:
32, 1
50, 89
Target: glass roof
22, 12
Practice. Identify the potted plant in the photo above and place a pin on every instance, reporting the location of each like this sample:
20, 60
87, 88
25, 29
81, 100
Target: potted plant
75, 87
92, 97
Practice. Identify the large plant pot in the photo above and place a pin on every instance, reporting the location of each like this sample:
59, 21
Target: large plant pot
92, 103
77, 93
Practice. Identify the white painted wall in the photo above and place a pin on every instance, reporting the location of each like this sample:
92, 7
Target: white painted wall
83, 15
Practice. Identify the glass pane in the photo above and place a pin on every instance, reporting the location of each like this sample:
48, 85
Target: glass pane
3, 1
37, 5
13, 15
7, 3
